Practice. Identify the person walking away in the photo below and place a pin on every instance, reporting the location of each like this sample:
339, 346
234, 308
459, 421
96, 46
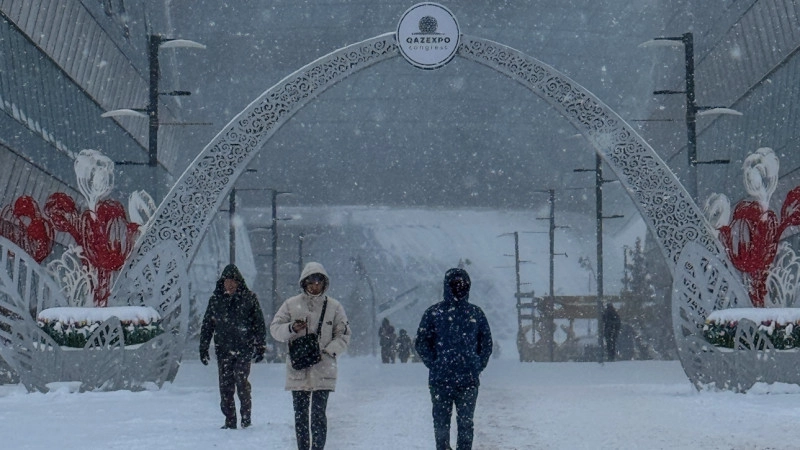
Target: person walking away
611, 327
403, 346
311, 387
234, 320
387, 341
454, 342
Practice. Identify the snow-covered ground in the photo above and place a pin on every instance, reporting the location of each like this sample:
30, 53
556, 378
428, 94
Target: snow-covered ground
619, 405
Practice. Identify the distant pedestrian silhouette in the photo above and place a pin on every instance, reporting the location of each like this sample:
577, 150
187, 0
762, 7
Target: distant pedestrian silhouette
404, 346
611, 326
388, 339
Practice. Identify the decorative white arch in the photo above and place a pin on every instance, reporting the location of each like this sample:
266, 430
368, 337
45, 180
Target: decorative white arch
703, 280
670, 212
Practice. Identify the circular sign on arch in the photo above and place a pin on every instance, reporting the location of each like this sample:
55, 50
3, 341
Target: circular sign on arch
428, 35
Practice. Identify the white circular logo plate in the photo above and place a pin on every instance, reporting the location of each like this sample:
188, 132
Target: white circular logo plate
428, 35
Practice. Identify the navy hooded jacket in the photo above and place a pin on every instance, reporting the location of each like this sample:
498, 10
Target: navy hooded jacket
454, 340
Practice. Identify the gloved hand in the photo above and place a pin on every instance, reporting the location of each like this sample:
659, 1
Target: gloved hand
204, 357
258, 354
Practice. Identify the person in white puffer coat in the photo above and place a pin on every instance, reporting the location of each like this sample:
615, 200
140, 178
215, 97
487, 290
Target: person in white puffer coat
310, 387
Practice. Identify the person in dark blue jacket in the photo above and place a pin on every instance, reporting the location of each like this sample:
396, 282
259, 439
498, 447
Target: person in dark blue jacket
454, 342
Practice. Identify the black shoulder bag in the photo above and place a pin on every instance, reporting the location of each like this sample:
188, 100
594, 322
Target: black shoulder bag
304, 351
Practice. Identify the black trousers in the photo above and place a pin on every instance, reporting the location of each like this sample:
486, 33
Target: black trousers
233, 374
443, 399
309, 409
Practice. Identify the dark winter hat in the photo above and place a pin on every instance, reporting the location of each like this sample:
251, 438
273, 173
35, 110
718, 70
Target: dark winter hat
457, 283
231, 272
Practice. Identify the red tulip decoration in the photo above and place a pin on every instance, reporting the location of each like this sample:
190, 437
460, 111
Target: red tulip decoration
105, 234
24, 224
751, 243
790, 211
63, 211
108, 240
751, 239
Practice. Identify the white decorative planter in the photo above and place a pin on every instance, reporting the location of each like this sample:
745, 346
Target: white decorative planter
104, 363
702, 284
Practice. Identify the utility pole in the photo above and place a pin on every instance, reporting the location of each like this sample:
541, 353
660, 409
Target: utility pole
692, 109
524, 356
274, 235
516, 274
300, 254
232, 226
155, 42
275, 194
599, 217
548, 309
361, 271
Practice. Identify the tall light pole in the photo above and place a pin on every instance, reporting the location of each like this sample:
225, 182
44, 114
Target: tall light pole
301, 251
549, 306
275, 194
519, 295
154, 44
301, 239
599, 217
692, 109
232, 226
231, 223
360, 270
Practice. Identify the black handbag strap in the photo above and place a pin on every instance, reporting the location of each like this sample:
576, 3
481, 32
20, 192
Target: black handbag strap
322, 316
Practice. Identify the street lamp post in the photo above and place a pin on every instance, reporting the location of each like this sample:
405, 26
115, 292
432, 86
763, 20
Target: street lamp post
232, 226
519, 295
275, 194
274, 234
361, 271
301, 251
155, 43
692, 109
231, 223
301, 239
598, 192
549, 306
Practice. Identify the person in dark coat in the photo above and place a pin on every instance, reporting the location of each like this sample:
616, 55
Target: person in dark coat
387, 341
454, 342
235, 321
403, 346
611, 327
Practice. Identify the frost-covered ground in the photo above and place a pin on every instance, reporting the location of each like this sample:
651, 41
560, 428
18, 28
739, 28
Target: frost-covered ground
619, 405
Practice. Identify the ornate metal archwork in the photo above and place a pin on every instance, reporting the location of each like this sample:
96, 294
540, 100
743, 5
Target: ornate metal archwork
667, 208
184, 216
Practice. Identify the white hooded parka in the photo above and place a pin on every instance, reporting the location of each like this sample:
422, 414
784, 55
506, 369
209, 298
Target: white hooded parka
333, 339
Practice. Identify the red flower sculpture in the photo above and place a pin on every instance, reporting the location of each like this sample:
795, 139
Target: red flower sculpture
62, 210
24, 225
108, 239
105, 234
751, 240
